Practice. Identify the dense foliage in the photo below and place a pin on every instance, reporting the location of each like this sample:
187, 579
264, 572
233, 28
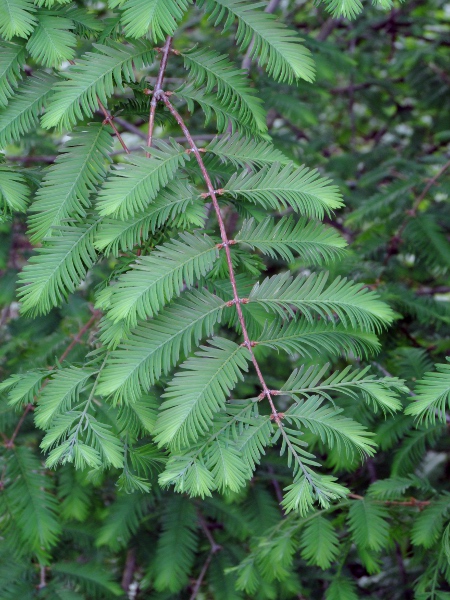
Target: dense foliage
225, 318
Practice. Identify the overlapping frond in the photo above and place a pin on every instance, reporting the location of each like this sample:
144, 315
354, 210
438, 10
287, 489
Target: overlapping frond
226, 116
57, 268
199, 391
130, 189
314, 242
350, 303
333, 429
32, 505
155, 279
175, 552
272, 43
22, 115
23, 387
244, 151
305, 338
319, 543
12, 58
16, 18
213, 70
60, 394
68, 184
277, 187
14, 192
368, 524
381, 392
94, 78
159, 18
52, 41
177, 205
154, 347
433, 396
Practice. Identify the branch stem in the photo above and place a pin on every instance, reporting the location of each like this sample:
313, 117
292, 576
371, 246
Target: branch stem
226, 246
165, 52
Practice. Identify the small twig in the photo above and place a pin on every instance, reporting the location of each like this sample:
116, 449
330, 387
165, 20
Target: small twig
214, 549
128, 572
156, 91
42, 579
76, 340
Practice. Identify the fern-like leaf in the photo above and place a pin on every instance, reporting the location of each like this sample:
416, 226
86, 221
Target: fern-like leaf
177, 204
67, 186
52, 41
274, 45
242, 151
12, 58
433, 396
213, 70
160, 18
94, 78
352, 304
381, 392
305, 338
278, 187
154, 280
129, 190
175, 551
319, 544
154, 347
16, 18
315, 243
22, 115
199, 391
58, 268
14, 192
60, 394
368, 523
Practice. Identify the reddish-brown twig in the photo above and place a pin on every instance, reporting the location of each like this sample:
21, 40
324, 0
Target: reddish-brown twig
226, 245
156, 91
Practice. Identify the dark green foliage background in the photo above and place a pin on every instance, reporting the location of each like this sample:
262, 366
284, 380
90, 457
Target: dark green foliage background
376, 120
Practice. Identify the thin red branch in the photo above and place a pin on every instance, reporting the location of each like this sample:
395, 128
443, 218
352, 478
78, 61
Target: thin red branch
214, 548
156, 90
226, 244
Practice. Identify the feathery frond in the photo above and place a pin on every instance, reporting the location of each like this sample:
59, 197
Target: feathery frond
274, 45
16, 18
243, 151
367, 522
433, 396
333, 429
130, 189
12, 59
68, 184
212, 70
94, 78
22, 115
314, 242
279, 187
351, 303
177, 204
57, 268
159, 18
175, 551
154, 280
61, 394
305, 338
154, 347
52, 41
199, 391
23, 387
14, 192
381, 392
319, 543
